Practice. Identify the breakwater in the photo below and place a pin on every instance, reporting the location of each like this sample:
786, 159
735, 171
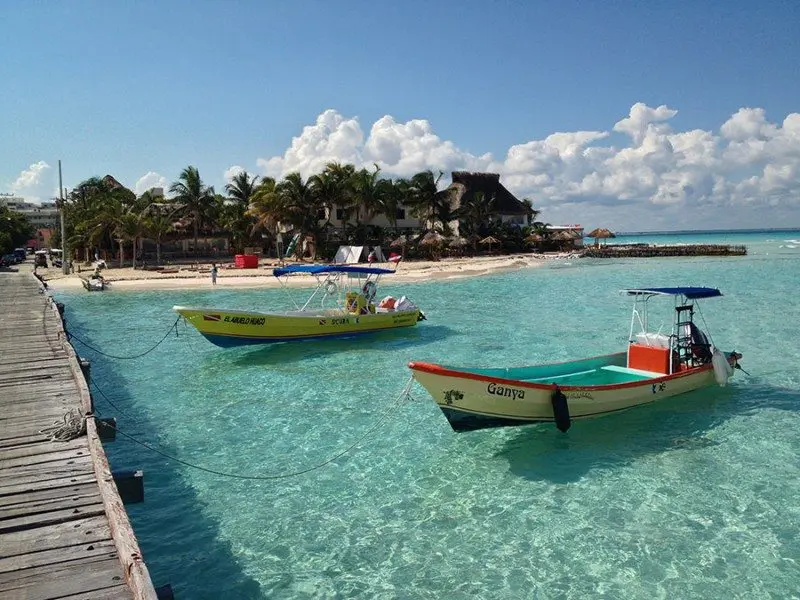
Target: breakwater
649, 250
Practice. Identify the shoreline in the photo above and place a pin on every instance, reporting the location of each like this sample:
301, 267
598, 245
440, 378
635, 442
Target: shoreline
232, 278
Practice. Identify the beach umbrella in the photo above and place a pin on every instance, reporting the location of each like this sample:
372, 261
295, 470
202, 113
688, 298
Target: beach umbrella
399, 242
431, 239
534, 238
488, 241
600, 233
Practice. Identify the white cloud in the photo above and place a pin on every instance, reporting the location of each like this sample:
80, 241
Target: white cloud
750, 162
35, 183
232, 172
150, 180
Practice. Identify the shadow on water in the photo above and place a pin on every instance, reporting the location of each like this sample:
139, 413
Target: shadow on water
541, 452
168, 544
383, 341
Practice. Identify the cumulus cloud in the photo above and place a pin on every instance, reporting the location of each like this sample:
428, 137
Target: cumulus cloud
232, 172
750, 161
149, 180
35, 183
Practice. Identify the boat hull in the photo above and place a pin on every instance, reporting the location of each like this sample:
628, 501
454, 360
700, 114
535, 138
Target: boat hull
473, 400
230, 328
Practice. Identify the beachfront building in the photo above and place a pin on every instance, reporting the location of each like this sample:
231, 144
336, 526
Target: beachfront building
502, 205
466, 189
42, 216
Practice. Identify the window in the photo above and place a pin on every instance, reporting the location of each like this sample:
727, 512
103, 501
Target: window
340, 214
400, 214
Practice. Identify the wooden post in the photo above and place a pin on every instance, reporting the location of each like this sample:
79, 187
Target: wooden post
107, 429
130, 486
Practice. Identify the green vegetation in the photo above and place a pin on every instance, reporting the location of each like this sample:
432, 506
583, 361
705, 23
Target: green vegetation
102, 214
15, 230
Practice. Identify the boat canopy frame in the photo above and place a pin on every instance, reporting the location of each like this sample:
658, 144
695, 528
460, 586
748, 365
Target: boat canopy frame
332, 280
685, 300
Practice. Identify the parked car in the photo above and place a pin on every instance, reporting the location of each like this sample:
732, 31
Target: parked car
9, 259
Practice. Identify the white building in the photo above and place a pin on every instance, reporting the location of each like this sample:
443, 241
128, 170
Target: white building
41, 216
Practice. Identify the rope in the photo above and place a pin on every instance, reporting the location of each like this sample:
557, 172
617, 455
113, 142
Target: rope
403, 396
107, 399
71, 426
174, 326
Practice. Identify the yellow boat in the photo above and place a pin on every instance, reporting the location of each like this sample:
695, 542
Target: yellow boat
350, 292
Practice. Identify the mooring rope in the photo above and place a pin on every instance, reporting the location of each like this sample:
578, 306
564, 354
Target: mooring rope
108, 400
402, 397
174, 326
71, 426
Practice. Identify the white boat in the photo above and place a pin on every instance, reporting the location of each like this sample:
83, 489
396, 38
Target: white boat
652, 368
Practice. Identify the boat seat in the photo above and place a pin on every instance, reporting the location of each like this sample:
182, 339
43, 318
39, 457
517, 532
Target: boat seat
562, 375
628, 370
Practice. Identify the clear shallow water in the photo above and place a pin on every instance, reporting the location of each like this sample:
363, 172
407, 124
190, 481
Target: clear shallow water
694, 498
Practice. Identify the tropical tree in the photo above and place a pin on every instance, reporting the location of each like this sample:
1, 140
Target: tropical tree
426, 201
15, 229
334, 190
156, 226
266, 209
242, 188
371, 193
476, 216
300, 204
196, 200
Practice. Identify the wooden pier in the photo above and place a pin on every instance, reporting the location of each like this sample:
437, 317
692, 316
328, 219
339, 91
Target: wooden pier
64, 532
651, 250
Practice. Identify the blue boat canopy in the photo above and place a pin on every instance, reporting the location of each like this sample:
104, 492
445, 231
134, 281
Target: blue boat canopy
318, 269
692, 293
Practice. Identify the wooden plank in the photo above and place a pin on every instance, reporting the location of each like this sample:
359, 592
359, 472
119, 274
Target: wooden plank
27, 495
30, 508
38, 481
50, 518
11, 566
81, 531
66, 579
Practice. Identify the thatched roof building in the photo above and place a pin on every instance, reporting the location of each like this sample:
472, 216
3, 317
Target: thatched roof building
465, 185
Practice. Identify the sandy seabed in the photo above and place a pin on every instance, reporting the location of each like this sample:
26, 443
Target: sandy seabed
188, 276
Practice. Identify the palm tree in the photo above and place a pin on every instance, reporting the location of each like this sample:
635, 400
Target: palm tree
242, 188
426, 201
197, 199
300, 203
371, 193
334, 189
157, 225
476, 216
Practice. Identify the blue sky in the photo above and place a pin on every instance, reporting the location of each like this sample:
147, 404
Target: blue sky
623, 114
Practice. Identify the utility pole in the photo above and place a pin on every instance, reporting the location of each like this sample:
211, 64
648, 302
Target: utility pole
64, 253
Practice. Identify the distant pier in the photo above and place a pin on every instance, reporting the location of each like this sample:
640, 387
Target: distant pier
649, 250
64, 532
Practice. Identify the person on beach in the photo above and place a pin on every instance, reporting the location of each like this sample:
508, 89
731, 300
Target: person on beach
213, 273
371, 256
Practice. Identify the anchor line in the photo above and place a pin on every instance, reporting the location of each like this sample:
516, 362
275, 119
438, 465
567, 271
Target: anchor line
403, 397
174, 326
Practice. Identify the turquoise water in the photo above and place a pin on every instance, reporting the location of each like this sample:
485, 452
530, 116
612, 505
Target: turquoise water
693, 498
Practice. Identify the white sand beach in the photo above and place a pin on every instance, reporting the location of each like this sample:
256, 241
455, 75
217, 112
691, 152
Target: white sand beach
229, 277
